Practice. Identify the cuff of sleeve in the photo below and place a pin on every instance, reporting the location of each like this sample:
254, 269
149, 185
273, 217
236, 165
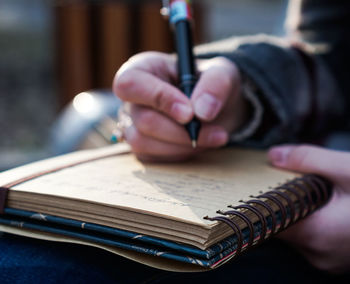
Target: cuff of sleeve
249, 91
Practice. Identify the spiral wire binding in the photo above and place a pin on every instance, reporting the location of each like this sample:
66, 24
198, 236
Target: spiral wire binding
267, 208
245, 219
316, 192
234, 227
318, 201
300, 183
281, 208
260, 215
290, 204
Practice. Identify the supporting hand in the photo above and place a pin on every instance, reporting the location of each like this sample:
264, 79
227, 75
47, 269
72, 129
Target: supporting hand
323, 237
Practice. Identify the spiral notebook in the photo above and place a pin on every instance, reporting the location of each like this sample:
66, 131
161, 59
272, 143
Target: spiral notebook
188, 216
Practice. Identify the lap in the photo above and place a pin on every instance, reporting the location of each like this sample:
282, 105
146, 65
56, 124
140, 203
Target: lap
24, 260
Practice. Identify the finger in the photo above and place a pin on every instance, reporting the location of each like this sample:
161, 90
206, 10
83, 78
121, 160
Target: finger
234, 115
147, 146
156, 125
152, 123
298, 233
214, 87
212, 136
140, 87
159, 64
310, 231
311, 159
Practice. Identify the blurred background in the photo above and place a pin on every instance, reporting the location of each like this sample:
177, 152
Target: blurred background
50, 51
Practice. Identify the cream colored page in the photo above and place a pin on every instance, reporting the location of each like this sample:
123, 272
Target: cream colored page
51, 163
187, 191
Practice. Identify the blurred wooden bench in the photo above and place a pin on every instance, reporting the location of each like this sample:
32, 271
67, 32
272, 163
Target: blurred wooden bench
93, 39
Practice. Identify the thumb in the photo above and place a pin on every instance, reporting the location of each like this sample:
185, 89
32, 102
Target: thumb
219, 81
331, 164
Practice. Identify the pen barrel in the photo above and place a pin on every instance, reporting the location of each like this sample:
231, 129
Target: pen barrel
181, 21
193, 128
186, 66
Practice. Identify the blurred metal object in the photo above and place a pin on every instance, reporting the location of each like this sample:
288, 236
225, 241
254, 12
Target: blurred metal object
165, 10
87, 122
124, 121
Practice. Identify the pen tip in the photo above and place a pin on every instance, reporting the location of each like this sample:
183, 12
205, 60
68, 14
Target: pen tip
194, 144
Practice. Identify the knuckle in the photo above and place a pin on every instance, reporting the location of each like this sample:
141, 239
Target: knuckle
159, 99
227, 64
136, 145
218, 81
145, 58
325, 263
228, 67
225, 80
134, 138
144, 54
139, 57
124, 82
145, 121
319, 253
320, 243
318, 246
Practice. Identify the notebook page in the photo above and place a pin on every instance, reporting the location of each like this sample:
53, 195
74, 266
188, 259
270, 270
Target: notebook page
187, 191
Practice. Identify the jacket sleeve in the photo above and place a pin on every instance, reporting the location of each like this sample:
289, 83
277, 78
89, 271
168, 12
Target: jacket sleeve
302, 79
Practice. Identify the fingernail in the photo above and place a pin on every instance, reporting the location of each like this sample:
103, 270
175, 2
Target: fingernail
279, 155
218, 138
207, 106
181, 112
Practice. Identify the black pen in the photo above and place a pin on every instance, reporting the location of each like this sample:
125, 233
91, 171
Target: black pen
180, 17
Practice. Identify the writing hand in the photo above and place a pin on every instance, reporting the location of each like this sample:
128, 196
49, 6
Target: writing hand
323, 237
158, 109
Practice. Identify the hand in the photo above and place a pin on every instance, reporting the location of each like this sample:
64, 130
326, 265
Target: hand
158, 109
324, 236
